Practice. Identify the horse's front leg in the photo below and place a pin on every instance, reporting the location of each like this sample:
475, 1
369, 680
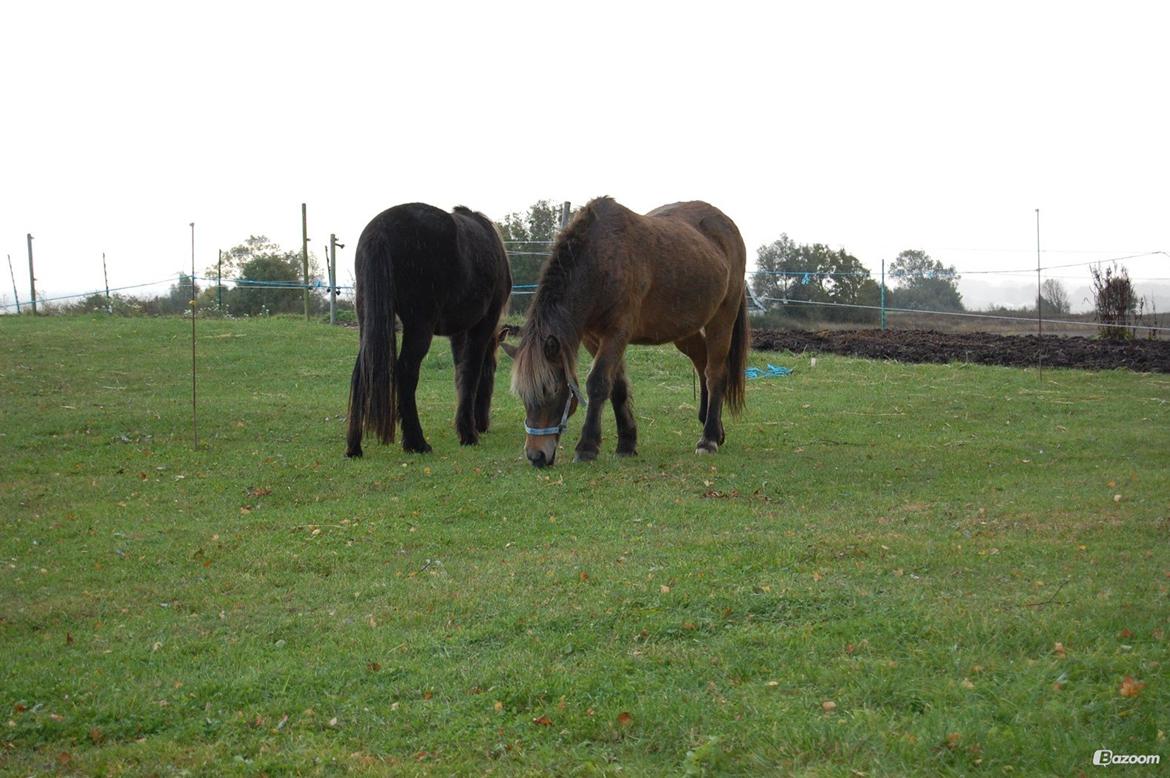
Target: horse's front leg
470, 350
623, 411
598, 387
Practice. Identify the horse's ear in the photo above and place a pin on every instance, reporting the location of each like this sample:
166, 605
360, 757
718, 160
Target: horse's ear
552, 348
508, 348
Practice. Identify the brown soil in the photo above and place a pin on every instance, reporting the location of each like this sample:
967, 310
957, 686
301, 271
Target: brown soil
1147, 356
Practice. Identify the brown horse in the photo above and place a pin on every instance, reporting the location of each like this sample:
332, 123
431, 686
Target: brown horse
675, 275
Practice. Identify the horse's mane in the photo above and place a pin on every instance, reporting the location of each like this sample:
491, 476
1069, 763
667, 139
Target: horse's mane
534, 378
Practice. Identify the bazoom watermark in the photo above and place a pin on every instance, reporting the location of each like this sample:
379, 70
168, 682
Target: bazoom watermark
1104, 758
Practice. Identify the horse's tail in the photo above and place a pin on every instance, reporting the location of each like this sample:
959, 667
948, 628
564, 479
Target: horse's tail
373, 398
737, 357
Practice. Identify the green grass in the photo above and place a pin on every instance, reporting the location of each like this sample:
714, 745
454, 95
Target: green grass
906, 542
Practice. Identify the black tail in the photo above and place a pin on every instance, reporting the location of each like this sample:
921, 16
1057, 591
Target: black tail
737, 355
373, 401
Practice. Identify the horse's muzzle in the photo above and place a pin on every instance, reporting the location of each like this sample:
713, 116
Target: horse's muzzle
538, 459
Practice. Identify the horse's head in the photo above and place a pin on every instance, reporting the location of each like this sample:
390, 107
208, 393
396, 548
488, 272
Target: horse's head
545, 381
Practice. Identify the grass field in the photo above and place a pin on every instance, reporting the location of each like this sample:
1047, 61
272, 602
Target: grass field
887, 570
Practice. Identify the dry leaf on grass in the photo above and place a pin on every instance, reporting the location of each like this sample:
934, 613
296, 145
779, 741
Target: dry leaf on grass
1131, 687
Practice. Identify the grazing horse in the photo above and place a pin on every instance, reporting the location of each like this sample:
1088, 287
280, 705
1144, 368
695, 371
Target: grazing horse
675, 275
441, 274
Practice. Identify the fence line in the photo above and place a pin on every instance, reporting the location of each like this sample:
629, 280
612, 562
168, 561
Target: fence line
801, 277
90, 294
965, 314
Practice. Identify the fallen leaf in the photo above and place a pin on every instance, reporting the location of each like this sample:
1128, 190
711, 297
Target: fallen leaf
95, 735
583, 576
952, 741
498, 707
1058, 649
543, 721
68, 638
966, 683
664, 589
624, 719
1125, 634
428, 694
828, 706
333, 722
1131, 687
373, 667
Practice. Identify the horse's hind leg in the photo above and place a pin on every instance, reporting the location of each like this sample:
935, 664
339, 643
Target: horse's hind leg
416, 341
623, 411
718, 345
695, 347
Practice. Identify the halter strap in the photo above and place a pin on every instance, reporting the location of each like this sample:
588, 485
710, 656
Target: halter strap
574, 391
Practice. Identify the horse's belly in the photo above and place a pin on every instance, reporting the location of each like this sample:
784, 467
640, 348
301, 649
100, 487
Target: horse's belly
667, 326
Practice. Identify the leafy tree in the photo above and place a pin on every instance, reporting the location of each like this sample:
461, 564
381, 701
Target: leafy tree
268, 280
529, 237
270, 283
924, 283
814, 273
1053, 297
256, 246
770, 281
178, 297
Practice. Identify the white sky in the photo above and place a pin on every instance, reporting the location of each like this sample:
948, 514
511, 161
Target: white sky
870, 126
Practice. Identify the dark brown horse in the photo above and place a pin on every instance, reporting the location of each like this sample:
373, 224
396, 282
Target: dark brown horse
675, 275
441, 274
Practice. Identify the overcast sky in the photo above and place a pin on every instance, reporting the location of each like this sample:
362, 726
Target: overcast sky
873, 127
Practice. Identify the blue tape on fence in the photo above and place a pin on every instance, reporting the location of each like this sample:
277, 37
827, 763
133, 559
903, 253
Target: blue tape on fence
772, 371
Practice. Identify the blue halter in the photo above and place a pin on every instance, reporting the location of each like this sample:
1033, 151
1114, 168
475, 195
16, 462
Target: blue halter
574, 391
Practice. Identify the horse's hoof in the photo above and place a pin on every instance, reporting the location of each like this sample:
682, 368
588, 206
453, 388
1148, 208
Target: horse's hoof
423, 448
468, 440
706, 447
353, 452
626, 453
585, 456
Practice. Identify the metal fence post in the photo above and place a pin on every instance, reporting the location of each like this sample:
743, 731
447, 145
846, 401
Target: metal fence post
106, 278
883, 295
12, 275
305, 253
332, 258
32, 279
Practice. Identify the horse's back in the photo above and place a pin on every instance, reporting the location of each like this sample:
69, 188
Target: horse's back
448, 268
714, 225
